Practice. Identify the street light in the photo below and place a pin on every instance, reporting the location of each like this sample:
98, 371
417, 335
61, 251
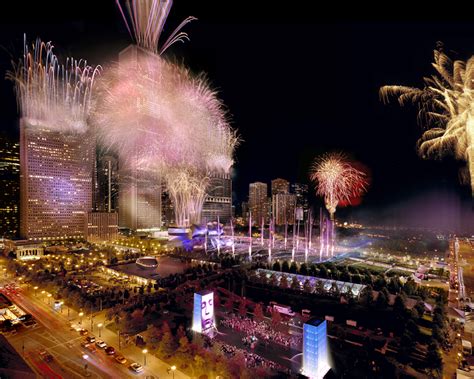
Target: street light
80, 315
49, 298
144, 351
100, 327
173, 369
35, 288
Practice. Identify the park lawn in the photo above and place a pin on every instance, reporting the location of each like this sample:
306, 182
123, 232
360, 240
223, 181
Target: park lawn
374, 268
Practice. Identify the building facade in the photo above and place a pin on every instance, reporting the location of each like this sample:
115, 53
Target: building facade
315, 351
55, 183
9, 187
106, 183
140, 189
283, 208
280, 186
258, 202
102, 226
301, 192
218, 203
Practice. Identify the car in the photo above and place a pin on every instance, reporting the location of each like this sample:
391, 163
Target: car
90, 339
91, 348
136, 367
85, 344
101, 344
45, 356
83, 332
120, 359
110, 350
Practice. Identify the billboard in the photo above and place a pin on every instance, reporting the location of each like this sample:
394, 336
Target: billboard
203, 312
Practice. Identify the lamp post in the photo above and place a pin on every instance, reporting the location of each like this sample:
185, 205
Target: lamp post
144, 351
80, 315
49, 298
173, 369
61, 304
100, 327
42, 293
35, 288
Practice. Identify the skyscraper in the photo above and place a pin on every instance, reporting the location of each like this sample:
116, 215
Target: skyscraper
55, 183
280, 186
218, 200
139, 189
139, 199
258, 201
301, 192
10, 187
283, 208
106, 183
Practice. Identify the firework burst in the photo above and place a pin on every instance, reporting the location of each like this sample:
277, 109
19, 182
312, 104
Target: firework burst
337, 180
175, 125
50, 94
446, 109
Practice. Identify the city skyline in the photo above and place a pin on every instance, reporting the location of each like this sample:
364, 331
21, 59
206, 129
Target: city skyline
398, 175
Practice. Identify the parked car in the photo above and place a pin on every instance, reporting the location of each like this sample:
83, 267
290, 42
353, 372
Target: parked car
83, 332
137, 367
120, 359
45, 356
110, 350
90, 339
101, 344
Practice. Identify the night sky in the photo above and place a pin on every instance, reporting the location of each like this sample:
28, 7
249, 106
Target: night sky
297, 82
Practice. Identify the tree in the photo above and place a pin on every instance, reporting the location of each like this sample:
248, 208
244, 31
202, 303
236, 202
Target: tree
258, 312
137, 320
382, 301
167, 343
366, 297
295, 283
285, 267
307, 287
284, 281
293, 268
243, 308
276, 319
319, 288
154, 335
399, 305
303, 269
273, 280
276, 266
433, 356
229, 304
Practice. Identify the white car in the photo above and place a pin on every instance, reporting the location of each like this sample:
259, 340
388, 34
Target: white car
101, 344
136, 367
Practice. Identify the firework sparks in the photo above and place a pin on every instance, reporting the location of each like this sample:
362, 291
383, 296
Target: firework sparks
446, 108
175, 125
337, 180
145, 22
50, 94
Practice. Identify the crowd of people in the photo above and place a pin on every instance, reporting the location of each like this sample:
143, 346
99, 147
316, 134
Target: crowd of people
263, 330
252, 360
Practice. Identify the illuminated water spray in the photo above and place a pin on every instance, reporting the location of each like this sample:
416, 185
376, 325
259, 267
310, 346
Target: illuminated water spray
336, 180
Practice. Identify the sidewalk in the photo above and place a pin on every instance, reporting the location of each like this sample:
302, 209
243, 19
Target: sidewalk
154, 366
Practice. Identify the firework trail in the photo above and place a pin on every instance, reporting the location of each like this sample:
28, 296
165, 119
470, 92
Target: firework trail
50, 94
446, 109
145, 20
